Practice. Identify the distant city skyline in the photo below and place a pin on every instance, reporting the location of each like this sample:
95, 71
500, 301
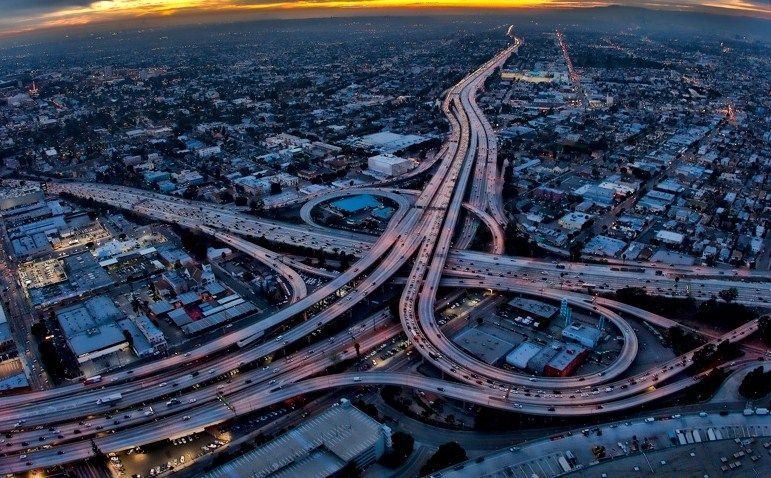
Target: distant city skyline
21, 16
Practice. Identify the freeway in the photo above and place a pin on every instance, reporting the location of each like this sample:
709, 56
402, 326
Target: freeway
270, 259
402, 198
141, 405
702, 282
207, 382
392, 249
265, 396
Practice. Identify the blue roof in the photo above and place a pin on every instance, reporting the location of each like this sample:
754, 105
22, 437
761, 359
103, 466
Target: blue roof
356, 203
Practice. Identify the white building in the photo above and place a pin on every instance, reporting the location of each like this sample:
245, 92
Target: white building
520, 356
574, 221
587, 336
389, 164
670, 237
208, 152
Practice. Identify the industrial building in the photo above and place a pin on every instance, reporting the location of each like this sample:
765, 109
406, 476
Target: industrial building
387, 142
50, 282
670, 237
538, 362
521, 355
484, 343
566, 361
390, 165
321, 446
574, 221
90, 328
587, 336
536, 309
557, 359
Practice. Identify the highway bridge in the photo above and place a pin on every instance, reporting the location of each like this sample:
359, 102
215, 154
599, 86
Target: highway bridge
429, 233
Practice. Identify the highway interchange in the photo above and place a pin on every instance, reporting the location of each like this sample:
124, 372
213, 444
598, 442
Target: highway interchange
428, 236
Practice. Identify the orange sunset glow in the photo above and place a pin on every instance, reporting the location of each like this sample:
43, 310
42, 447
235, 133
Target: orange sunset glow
59, 14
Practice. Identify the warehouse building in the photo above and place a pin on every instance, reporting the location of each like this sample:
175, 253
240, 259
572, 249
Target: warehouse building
522, 354
389, 165
574, 221
90, 328
320, 447
587, 336
670, 237
538, 362
566, 361
534, 308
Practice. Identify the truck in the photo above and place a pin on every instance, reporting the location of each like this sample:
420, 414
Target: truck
681, 437
718, 434
748, 411
696, 436
711, 434
761, 411
108, 399
94, 379
564, 464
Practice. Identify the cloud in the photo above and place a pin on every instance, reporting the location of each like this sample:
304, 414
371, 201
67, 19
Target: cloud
27, 15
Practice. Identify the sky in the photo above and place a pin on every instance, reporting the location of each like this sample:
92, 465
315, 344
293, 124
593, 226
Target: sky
20, 16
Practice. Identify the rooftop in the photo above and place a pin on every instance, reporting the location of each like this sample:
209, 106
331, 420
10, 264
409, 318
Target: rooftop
317, 448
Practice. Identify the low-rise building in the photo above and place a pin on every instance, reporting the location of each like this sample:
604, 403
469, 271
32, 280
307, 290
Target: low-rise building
587, 336
670, 237
521, 355
566, 361
574, 221
321, 446
90, 328
389, 164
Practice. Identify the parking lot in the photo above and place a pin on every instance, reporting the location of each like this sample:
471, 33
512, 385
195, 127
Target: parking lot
162, 458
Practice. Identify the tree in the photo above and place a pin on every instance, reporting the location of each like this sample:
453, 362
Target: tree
275, 188
367, 408
39, 329
756, 384
241, 201
350, 470
195, 243
402, 445
729, 295
575, 251
764, 327
226, 196
448, 454
256, 205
